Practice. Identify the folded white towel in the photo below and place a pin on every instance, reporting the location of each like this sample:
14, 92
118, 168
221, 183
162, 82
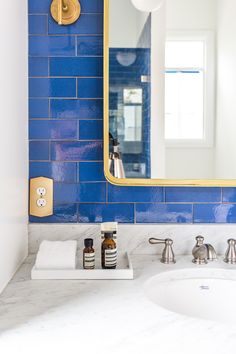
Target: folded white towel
56, 255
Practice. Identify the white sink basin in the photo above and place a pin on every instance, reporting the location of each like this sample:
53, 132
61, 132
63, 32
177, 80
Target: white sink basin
201, 293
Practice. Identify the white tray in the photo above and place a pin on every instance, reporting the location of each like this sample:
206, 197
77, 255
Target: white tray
124, 271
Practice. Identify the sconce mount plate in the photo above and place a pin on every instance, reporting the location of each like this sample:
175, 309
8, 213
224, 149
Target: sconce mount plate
69, 14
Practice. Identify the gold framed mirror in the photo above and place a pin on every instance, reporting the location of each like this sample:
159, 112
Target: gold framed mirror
191, 150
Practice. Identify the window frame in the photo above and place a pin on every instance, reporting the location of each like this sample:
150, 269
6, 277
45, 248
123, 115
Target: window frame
208, 37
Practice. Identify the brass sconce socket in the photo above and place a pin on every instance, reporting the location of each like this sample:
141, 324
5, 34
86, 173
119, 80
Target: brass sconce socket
65, 12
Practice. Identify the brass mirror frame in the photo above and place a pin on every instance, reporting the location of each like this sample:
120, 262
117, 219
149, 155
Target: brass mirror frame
139, 181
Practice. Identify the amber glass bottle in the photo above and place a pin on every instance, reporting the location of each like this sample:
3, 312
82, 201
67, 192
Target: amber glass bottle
109, 252
88, 254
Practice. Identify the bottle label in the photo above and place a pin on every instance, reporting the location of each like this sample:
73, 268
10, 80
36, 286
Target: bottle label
89, 260
110, 257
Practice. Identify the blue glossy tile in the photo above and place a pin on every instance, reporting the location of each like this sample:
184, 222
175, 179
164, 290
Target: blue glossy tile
65, 193
164, 213
58, 171
91, 6
76, 151
39, 150
52, 87
77, 109
135, 194
90, 88
192, 195
37, 24
214, 213
90, 129
47, 129
90, 172
87, 24
89, 45
43, 46
65, 213
38, 66
89, 66
229, 195
92, 192
97, 213
38, 108
38, 7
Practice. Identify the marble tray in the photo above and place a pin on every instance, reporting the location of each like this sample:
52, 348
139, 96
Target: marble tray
124, 271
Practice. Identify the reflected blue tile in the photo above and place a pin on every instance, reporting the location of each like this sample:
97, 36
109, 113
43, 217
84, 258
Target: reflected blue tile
90, 88
97, 213
215, 213
46, 129
90, 171
89, 45
58, 171
90, 129
38, 66
87, 24
91, 6
89, 67
192, 195
65, 193
65, 213
39, 150
38, 7
38, 108
135, 194
42, 87
92, 192
229, 195
164, 213
37, 24
76, 151
43, 46
81, 109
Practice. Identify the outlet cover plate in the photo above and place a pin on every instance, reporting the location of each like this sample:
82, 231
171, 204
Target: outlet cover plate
41, 182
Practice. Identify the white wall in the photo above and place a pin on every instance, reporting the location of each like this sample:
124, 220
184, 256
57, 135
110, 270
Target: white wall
13, 137
226, 91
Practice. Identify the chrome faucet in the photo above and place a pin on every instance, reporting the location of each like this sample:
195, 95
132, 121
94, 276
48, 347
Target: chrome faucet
230, 256
203, 252
167, 254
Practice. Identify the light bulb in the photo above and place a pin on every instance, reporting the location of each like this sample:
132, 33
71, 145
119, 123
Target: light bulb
147, 5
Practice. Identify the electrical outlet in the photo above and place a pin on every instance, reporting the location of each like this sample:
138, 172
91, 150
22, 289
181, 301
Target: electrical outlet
41, 197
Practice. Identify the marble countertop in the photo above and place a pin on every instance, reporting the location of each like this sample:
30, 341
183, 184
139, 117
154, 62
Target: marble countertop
103, 317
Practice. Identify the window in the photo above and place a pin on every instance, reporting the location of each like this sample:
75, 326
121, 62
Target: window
189, 89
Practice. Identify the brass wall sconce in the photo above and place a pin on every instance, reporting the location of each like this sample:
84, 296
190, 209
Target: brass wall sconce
65, 12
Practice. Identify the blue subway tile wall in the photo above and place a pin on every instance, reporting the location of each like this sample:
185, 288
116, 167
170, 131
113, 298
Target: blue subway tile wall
65, 133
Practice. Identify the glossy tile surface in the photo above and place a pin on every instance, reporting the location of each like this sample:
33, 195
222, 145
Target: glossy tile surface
81, 66
90, 88
76, 151
215, 213
89, 45
38, 67
42, 87
60, 171
46, 46
38, 24
97, 213
135, 194
65, 213
38, 108
164, 213
82, 109
90, 129
46, 129
192, 195
90, 171
39, 150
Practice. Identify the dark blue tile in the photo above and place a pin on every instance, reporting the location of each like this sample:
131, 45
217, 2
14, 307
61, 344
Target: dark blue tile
90, 171
38, 150
214, 213
164, 213
193, 195
43, 46
65, 213
90, 129
76, 151
229, 195
92, 192
38, 108
97, 213
77, 109
87, 24
52, 87
90, 88
47, 129
38, 66
91, 6
37, 24
135, 194
37, 7
89, 66
65, 193
58, 171
89, 45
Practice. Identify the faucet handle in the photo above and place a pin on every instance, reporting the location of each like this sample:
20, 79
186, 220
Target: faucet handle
230, 255
167, 254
